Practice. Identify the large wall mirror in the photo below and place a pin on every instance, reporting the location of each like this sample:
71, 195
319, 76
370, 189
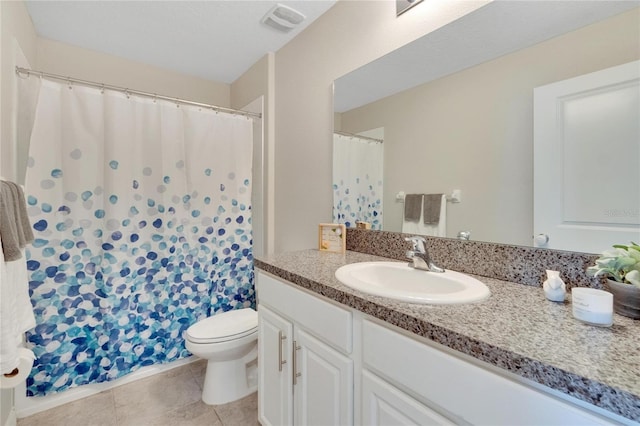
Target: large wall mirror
456, 110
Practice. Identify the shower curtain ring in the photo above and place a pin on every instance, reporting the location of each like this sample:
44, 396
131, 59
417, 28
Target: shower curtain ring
69, 83
102, 89
126, 93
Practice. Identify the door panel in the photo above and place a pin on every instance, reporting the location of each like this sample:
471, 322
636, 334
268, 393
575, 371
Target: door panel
384, 405
587, 160
323, 392
275, 392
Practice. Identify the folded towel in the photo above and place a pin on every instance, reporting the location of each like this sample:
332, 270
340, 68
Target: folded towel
420, 228
432, 208
8, 225
22, 217
412, 207
14, 222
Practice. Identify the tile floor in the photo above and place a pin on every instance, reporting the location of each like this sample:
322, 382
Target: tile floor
171, 398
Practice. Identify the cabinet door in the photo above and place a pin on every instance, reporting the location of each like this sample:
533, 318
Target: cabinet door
385, 405
275, 391
323, 390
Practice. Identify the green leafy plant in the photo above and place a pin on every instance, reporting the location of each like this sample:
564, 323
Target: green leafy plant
622, 264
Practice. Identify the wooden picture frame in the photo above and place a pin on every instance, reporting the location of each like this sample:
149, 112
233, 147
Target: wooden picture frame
332, 237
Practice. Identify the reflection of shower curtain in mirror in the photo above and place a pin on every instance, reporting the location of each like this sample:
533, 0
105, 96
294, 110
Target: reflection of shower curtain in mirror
357, 181
141, 213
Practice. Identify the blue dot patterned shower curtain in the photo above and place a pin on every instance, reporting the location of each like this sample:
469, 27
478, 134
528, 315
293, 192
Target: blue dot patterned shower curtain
357, 181
141, 211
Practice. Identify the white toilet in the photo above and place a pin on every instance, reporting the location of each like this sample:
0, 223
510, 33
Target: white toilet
229, 342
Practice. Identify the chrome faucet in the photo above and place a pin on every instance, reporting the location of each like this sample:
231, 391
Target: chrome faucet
419, 255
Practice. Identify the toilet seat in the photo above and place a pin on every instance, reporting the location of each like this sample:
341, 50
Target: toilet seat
230, 325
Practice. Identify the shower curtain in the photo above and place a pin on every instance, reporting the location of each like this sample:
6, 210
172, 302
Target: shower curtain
357, 181
142, 218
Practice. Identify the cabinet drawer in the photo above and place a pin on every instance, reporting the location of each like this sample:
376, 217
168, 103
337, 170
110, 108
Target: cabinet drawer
326, 321
475, 394
382, 405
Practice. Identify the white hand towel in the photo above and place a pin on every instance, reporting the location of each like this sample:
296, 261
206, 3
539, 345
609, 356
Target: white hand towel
16, 312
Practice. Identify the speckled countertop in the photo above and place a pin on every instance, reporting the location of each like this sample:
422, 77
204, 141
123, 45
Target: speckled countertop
516, 329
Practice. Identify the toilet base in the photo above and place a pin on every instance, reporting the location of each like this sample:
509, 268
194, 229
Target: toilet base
228, 381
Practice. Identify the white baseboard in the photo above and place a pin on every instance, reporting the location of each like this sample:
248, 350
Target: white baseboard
27, 406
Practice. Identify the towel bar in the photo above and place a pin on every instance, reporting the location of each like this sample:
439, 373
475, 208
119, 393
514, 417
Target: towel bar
455, 197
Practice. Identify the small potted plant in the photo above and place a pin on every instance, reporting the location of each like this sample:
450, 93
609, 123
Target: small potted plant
621, 267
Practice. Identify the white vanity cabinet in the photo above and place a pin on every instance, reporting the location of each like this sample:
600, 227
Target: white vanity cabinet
461, 391
305, 372
313, 371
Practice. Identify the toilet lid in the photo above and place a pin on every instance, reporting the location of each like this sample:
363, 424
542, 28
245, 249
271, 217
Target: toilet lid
225, 326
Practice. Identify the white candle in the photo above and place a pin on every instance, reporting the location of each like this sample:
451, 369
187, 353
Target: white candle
592, 306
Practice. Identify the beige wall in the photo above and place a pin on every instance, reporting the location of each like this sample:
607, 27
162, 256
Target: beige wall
19, 46
252, 84
347, 36
259, 81
473, 130
64, 59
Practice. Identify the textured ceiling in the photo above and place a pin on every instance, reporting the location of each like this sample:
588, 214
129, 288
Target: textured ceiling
216, 40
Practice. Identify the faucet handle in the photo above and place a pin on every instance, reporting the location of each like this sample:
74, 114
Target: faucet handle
417, 243
464, 235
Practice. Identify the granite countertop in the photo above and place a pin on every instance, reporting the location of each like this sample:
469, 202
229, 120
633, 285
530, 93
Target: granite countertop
516, 329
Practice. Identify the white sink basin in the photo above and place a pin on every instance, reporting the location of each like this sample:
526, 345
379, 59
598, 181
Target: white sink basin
401, 282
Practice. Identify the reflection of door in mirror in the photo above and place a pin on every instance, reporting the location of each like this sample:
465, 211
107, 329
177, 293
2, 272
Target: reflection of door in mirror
357, 178
587, 160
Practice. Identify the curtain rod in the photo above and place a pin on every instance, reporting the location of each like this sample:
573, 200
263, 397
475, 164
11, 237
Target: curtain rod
353, 135
20, 70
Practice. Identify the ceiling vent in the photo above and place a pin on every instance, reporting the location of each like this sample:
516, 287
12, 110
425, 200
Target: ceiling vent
283, 18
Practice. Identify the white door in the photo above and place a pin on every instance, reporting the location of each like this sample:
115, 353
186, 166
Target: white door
275, 387
587, 160
385, 405
323, 390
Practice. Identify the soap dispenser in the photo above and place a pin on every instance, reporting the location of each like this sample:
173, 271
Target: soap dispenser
554, 288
